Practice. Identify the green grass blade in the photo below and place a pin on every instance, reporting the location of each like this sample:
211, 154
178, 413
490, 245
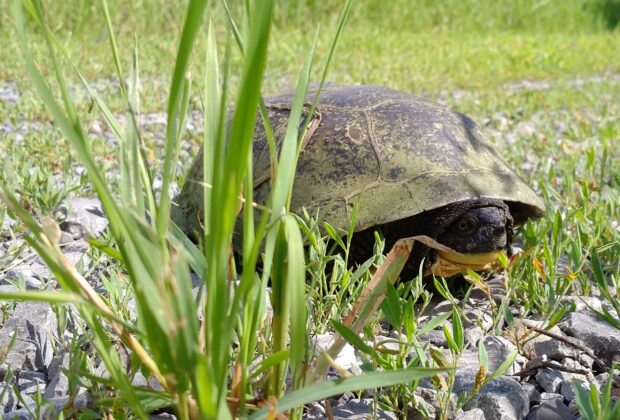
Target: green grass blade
433, 323
114, 48
326, 389
192, 23
457, 330
67, 126
296, 285
506, 364
114, 366
352, 338
344, 13
213, 98
40, 296
233, 27
483, 357
283, 183
228, 178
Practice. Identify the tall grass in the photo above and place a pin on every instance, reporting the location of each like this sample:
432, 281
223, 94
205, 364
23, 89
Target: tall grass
207, 369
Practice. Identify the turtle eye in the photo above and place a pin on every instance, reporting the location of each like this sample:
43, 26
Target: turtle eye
466, 225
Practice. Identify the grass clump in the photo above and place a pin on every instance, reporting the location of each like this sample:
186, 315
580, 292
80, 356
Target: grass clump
205, 369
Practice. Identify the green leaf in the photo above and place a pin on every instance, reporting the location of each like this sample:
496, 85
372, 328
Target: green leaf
483, 358
334, 235
105, 248
557, 315
296, 285
42, 296
352, 338
326, 389
433, 323
582, 398
451, 343
193, 19
272, 360
505, 310
457, 330
391, 307
506, 364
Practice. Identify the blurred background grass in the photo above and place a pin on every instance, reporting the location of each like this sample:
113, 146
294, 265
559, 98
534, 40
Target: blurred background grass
415, 45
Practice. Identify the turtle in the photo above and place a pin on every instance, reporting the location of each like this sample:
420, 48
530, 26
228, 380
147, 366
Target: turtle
411, 167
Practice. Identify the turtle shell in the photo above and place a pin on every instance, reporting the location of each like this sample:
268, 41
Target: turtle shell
393, 153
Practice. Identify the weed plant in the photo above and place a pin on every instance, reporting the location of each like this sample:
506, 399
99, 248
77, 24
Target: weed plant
207, 368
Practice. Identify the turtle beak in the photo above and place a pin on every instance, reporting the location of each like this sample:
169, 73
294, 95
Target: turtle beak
449, 264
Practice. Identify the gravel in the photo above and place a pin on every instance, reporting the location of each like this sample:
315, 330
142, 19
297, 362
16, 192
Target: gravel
33, 366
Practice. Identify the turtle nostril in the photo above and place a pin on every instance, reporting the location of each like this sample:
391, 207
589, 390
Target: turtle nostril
501, 235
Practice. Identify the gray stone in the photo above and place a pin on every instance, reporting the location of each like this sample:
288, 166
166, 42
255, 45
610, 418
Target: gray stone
571, 363
66, 237
140, 380
314, 410
7, 223
549, 396
601, 337
521, 360
556, 349
530, 345
498, 350
58, 385
553, 409
360, 409
101, 369
427, 403
467, 362
478, 312
9, 94
433, 310
435, 337
532, 393
502, 398
566, 389
27, 401
31, 382
32, 273
473, 414
583, 303
34, 323
51, 410
601, 380
8, 399
8, 288
162, 416
346, 358
586, 360
17, 415
85, 212
76, 251
389, 344
550, 380
472, 336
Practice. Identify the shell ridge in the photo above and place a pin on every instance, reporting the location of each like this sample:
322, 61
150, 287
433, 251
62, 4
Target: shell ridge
327, 107
373, 142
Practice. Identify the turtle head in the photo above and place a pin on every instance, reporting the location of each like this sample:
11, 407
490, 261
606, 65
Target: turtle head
479, 229
477, 235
